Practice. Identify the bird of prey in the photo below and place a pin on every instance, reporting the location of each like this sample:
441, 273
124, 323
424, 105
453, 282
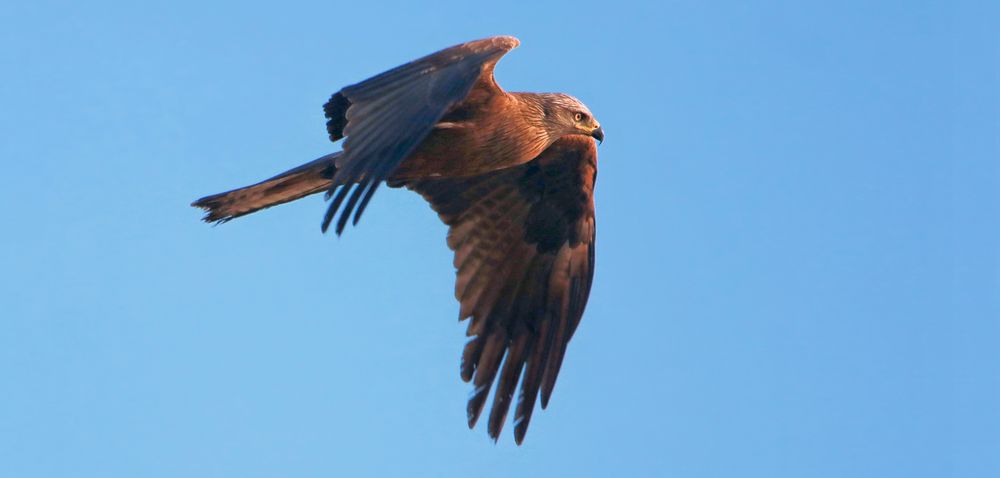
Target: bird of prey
511, 174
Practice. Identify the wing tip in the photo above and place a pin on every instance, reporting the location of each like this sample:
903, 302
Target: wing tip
520, 429
507, 41
503, 42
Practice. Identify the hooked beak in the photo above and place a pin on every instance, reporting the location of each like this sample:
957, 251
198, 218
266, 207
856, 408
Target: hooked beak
598, 134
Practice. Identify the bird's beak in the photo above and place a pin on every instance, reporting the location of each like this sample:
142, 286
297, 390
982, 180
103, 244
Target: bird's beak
598, 134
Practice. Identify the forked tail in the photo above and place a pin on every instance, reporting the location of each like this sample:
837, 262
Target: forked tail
310, 178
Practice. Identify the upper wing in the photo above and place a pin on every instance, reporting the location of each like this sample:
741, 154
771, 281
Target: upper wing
524, 249
384, 118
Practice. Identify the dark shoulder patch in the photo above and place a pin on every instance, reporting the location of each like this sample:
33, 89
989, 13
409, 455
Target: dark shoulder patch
552, 190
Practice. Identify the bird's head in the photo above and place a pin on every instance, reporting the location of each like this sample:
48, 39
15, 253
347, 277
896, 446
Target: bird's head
572, 116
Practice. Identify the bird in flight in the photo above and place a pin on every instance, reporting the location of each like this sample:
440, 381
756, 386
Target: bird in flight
511, 174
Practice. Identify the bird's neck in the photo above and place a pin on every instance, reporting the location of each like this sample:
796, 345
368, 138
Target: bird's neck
536, 111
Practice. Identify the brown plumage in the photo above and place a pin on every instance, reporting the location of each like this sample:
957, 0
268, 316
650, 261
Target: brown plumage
511, 174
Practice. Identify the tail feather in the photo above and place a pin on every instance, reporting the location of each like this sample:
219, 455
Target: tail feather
310, 178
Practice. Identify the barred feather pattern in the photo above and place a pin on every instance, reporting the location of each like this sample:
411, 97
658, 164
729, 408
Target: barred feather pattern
524, 252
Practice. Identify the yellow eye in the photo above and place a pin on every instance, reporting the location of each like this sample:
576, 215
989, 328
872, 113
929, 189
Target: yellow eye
578, 117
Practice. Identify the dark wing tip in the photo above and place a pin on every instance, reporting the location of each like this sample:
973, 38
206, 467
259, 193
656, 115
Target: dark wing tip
519, 432
335, 111
474, 408
331, 211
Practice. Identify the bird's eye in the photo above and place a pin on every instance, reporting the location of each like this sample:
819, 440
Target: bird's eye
578, 117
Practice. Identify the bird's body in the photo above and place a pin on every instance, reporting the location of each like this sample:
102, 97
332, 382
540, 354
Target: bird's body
478, 137
511, 174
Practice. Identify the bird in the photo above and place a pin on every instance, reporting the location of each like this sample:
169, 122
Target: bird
511, 174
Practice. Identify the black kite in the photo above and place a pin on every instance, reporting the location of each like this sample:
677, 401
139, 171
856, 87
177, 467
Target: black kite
511, 174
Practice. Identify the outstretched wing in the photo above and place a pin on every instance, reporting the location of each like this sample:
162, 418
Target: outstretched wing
384, 118
524, 249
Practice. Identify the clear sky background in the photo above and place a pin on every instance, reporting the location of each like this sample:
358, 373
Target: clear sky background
798, 270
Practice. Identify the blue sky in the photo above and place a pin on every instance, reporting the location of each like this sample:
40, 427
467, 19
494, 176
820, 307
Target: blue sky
798, 270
